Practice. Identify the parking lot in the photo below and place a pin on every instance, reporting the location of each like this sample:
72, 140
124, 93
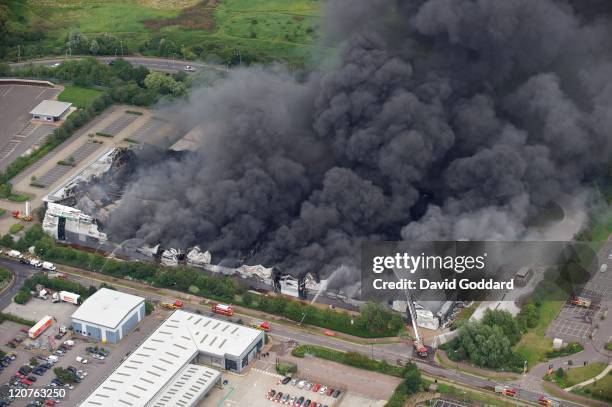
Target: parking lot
253, 389
119, 124
57, 172
93, 372
16, 133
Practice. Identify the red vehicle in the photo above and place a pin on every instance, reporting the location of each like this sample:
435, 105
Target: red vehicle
329, 333
506, 391
26, 382
581, 302
329, 392
264, 326
20, 375
24, 330
223, 309
316, 387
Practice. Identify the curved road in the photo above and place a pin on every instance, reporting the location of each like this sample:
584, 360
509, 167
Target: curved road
152, 63
21, 272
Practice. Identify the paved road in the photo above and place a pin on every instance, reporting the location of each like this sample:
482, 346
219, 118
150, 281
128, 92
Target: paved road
21, 272
152, 63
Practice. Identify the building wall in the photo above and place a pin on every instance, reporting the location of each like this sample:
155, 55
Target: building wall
99, 332
238, 363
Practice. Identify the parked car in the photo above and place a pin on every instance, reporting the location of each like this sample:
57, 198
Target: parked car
81, 359
308, 386
278, 396
286, 380
329, 391
323, 390
97, 356
316, 387
301, 384
336, 393
189, 68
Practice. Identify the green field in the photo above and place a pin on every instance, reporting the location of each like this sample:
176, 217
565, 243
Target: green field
79, 96
578, 374
224, 31
600, 390
534, 345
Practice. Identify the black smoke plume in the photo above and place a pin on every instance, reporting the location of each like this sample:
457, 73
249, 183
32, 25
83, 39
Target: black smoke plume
441, 119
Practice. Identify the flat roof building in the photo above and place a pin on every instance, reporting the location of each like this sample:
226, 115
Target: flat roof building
108, 315
167, 368
50, 110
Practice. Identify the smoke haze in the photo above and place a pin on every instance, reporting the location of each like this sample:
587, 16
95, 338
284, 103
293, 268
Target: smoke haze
442, 119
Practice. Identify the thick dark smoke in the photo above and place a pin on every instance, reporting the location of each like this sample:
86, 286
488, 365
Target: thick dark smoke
443, 119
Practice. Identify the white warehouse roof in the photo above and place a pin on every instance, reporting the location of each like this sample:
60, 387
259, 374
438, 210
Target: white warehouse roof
189, 386
151, 371
107, 307
51, 108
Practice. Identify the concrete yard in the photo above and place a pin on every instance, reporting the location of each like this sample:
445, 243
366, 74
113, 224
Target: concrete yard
36, 308
17, 134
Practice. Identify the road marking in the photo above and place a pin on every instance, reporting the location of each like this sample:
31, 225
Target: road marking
43, 91
7, 92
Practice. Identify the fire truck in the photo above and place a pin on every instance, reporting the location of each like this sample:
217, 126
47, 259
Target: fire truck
505, 391
177, 304
223, 309
419, 348
263, 325
581, 302
547, 401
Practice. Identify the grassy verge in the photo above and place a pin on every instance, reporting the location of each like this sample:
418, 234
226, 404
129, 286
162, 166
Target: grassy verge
570, 349
570, 377
600, 390
79, 96
534, 345
14, 318
353, 359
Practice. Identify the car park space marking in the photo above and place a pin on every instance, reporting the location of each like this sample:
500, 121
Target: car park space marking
119, 124
7, 91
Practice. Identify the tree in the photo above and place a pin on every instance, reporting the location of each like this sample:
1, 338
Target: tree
164, 84
94, 47
412, 378
505, 321
529, 316
65, 375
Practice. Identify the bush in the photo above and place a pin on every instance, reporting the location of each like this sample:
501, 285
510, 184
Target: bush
108, 135
570, 349
353, 359
15, 228
149, 307
14, 318
22, 297
285, 368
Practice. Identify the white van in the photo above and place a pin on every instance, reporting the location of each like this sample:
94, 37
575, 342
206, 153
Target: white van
15, 253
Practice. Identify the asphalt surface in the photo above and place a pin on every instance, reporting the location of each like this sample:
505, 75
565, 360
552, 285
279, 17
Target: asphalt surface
21, 272
152, 63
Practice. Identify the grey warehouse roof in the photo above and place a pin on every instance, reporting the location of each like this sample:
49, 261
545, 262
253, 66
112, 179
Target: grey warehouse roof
107, 307
51, 108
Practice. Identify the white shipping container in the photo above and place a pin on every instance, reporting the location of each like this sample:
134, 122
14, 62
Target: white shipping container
70, 297
15, 253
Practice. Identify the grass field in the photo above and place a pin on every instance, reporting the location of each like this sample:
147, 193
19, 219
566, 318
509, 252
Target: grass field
534, 345
250, 30
79, 96
601, 390
578, 374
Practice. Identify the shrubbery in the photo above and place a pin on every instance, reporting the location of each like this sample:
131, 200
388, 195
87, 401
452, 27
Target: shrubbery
488, 343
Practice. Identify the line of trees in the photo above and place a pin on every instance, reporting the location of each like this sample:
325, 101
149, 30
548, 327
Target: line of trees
374, 320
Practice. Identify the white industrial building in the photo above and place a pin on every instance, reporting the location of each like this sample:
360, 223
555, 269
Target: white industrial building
50, 110
168, 368
108, 315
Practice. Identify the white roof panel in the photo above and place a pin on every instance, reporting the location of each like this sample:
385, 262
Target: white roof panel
189, 386
51, 108
153, 370
107, 307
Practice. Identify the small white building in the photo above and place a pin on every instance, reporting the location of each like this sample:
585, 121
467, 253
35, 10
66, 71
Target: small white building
108, 315
51, 110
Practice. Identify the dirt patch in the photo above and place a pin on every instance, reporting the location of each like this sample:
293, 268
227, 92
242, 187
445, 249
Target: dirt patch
168, 4
197, 17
